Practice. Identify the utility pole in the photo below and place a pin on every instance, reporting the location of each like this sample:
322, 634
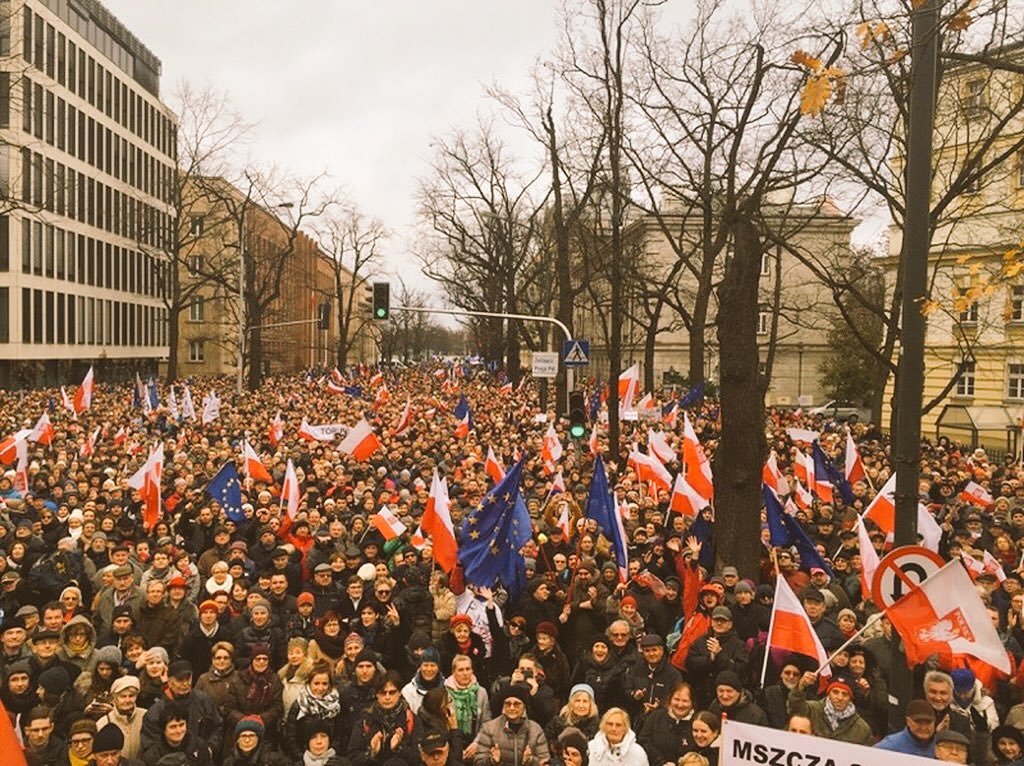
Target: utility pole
917, 237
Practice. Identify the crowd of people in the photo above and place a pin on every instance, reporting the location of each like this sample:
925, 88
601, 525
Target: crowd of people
314, 638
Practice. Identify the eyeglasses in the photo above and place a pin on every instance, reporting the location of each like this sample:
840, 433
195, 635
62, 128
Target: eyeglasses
513, 703
81, 741
383, 592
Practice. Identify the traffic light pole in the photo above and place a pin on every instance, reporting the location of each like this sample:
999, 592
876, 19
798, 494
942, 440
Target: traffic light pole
569, 376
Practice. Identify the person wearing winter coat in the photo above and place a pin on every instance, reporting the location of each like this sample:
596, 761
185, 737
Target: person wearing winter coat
175, 736
834, 717
666, 733
511, 739
250, 746
159, 622
78, 643
427, 677
615, 743
461, 639
551, 657
318, 700
580, 712
970, 699
216, 682
256, 691
717, 651
387, 730
602, 671
204, 721
649, 681
469, 699
735, 702
294, 674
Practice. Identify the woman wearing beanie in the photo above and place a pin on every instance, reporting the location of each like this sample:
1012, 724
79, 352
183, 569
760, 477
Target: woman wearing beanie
175, 738
580, 713
615, 744
256, 691
427, 677
18, 694
570, 749
552, 658
318, 744
250, 746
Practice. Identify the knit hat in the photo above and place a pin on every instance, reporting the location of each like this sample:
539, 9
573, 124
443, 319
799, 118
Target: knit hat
743, 586
305, 598
82, 726
461, 619
585, 688
730, 679
313, 726
260, 650
209, 605
108, 739
155, 653
548, 628
366, 655
55, 680
839, 683
628, 601
110, 655
430, 654
251, 723
353, 638
963, 680
573, 737
262, 605
125, 682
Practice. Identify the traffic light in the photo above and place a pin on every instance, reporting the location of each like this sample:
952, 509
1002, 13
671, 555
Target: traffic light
381, 300
577, 415
325, 315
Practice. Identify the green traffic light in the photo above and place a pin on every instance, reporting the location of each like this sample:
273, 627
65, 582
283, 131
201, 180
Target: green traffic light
577, 431
381, 313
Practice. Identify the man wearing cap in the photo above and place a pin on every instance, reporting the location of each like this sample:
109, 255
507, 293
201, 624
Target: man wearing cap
828, 630
821, 581
735, 702
13, 647
649, 682
511, 739
126, 715
203, 719
918, 736
952, 747
718, 650
435, 750
123, 593
834, 717
208, 630
108, 747
325, 591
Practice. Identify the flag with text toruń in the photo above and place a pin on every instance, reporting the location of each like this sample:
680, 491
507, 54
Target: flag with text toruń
494, 532
227, 490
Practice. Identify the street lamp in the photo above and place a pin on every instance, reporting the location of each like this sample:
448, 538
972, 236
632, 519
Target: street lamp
241, 289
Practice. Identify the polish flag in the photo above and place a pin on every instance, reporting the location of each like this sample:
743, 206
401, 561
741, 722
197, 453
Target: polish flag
791, 628
803, 467
659, 446
254, 467
563, 522
557, 485
9, 446
360, 442
429, 413
989, 564
944, 615
772, 476
336, 375
316, 433
649, 468
147, 481
505, 388
975, 494
437, 522
462, 427
868, 559
10, 745
381, 398
646, 402
387, 524
335, 388
276, 430
42, 432
629, 385
120, 436
66, 402
803, 496
377, 379
404, 420
493, 467
418, 541
668, 416
551, 451
882, 509
595, 447
685, 499
698, 469
88, 449
440, 374
854, 465
290, 495
83, 396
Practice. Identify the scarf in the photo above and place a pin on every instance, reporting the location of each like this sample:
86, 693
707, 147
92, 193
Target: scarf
392, 719
308, 759
258, 693
332, 646
465, 702
836, 717
218, 674
423, 686
328, 706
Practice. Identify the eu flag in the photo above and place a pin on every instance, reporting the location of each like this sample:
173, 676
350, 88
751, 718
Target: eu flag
493, 534
825, 468
694, 396
153, 394
356, 392
601, 508
785, 530
226, 490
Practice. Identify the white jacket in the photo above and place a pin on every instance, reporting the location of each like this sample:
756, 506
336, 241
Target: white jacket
626, 753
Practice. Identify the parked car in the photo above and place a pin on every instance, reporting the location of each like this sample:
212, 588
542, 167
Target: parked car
842, 412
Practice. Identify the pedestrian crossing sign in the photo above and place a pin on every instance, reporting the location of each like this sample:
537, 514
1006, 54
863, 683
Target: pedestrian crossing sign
576, 353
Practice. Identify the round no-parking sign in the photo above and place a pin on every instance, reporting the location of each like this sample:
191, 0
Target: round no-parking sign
901, 571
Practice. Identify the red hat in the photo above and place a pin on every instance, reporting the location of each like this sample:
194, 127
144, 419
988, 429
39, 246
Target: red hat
209, 605
461, 619
305, 598
177, 582
628, 600
839, 683
549, 628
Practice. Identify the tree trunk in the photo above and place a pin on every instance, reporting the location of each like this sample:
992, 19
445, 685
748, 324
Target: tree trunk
698, 348
742, 447
173, 337
563, 262
255, 348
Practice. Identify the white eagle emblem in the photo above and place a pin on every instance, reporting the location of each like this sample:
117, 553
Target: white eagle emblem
946, 629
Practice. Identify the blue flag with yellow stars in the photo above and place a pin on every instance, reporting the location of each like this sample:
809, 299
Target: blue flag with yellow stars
493, 534
227, 490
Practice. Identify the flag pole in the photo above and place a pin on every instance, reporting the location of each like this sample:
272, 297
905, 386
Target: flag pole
771, 626
867, 624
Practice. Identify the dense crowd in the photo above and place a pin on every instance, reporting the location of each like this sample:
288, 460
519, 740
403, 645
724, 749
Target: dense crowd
312, 639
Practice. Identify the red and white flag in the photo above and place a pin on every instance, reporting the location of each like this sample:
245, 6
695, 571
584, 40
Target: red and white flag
659, 446
387, 523
418, 540
649, 468
989, 564
83, 396
335, 388
803, 435
557, 485
10, 745
147, 481
882, 511
669, 417
698, 469
290, 495
404, 420
462, 427
975, 494
791, 629
803, 496
493, 466
377, 379
360, 442
551, 449
254, 467
505, 388
803, 468
317, 433
944, 615
9, 446
629, 386
88, 448
646, 402
563, 522
276, 430
854, 465
868, 560
67, 404
382, 397
42, 432
773, 477
437, 522
685, 499
336, 375
592, 442
120, 436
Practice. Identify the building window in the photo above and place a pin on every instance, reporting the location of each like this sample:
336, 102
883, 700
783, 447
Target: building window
968, 313
965, 383
974, 97
197, 309
195, 226
1015, 381
1016, 313
196, 351
1020, 170
195, 264
762, 322
973, 183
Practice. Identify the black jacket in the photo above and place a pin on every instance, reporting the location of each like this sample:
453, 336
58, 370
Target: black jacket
665, 739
